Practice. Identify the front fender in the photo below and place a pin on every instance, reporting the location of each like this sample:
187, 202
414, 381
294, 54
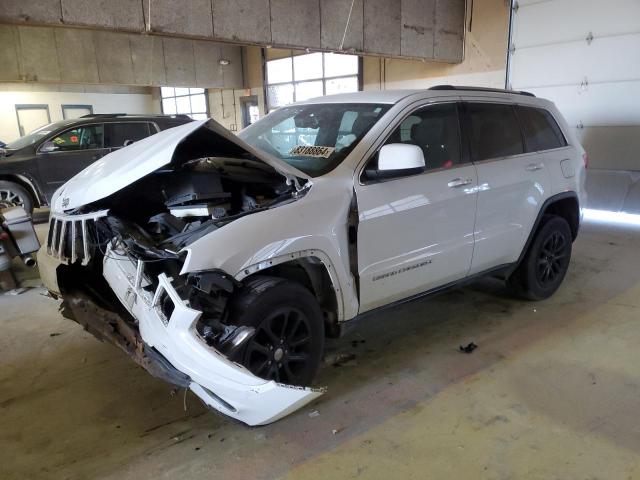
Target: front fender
315, 223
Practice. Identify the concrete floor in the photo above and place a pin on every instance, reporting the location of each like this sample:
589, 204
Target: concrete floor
553, 391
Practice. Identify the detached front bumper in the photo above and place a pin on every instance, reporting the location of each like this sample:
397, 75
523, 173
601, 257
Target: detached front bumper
221, 384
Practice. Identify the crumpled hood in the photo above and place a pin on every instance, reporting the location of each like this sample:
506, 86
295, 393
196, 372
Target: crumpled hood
122, 167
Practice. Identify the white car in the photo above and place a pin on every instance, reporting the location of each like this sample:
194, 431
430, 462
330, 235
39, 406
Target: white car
220, 263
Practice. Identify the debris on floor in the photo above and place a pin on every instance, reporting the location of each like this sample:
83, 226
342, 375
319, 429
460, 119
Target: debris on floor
55, 334
469, 348
344, 360
314, 413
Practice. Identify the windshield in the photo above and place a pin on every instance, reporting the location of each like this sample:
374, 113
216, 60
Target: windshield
36, 135
313, 138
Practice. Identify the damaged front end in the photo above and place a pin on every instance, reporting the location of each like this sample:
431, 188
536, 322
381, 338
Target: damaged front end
118, 264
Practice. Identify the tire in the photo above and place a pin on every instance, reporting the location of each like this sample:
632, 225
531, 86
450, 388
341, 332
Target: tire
546, 262
289, 340
12, 194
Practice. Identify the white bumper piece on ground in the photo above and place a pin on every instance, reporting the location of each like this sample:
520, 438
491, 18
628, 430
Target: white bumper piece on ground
222, 384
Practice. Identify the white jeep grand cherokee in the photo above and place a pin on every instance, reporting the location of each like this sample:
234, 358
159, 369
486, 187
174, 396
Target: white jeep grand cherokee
220, 262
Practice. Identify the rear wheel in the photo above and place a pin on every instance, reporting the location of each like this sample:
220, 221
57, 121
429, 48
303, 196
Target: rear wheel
14, 195
546, 262
289, 339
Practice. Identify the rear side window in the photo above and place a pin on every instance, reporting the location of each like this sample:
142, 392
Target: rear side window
493, 131
541, 132
116, 134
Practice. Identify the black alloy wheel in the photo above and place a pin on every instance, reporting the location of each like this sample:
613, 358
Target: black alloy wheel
288, 342
552, 258
281, 347
546, 262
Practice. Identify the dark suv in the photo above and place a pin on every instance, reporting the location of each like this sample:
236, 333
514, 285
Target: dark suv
34, 166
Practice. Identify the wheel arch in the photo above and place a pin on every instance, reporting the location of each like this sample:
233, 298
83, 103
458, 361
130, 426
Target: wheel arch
565, 205
28, 184
312, 269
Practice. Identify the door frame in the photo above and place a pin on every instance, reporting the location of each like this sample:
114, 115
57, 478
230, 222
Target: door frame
244, 100
30, 106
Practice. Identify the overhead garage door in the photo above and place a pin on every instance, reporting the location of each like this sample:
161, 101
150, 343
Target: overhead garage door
585, 56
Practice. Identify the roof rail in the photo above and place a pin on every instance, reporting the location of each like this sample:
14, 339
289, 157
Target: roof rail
108, 115
481, 89
93, 115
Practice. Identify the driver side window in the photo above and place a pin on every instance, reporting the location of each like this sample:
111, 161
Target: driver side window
435, 129
87, 137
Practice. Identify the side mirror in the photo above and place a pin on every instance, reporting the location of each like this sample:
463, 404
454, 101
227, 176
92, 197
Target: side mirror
47, 147
128, 142
398, 159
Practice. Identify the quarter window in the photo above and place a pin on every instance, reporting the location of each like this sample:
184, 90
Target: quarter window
541, 132
493, 131
435, 130
87, 137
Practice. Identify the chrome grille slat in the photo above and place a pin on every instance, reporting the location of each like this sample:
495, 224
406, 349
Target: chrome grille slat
63, 233
73, 242
67, 241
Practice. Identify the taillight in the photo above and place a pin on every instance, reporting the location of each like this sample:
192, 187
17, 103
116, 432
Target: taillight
585, 159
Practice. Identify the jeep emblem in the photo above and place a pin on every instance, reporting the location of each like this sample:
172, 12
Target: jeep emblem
65, 202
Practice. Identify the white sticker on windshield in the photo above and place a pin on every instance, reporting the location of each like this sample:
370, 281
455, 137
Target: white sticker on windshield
311, 151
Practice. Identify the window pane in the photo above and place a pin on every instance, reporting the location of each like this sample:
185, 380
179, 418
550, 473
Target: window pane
183, 105
116, 134
182, 91
254, 113
307, 90
435, 131
279, 71
199, 116
540, 129
306, 67
279, 95
198, 104
169, 106
336, 64
167, 91
196, 90
342, 85
494, 131
81, 138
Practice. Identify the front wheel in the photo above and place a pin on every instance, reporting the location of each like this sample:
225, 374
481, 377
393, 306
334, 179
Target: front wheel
289, 339
14, 195
546, 262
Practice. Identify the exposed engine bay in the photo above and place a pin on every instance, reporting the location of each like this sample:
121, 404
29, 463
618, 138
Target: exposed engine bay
152, 219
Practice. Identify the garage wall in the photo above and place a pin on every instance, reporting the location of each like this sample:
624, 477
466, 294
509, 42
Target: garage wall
429, 29
587, 60
224, 104
107, 99
484, 56
74, 55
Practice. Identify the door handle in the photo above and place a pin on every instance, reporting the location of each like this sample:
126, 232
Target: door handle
532, 167
459, 182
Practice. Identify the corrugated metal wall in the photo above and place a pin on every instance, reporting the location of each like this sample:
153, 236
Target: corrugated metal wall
585, 56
